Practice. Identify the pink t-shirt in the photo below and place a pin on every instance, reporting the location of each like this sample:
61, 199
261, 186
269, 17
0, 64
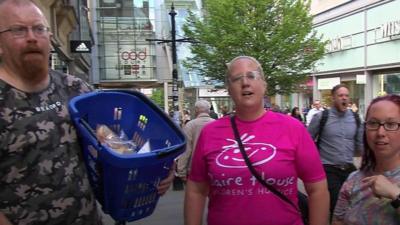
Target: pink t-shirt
280, 149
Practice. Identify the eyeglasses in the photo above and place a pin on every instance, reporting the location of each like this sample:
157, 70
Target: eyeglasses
22, 31
251, 75
375, 125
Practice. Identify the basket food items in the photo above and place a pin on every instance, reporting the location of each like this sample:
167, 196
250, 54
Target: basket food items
118, 143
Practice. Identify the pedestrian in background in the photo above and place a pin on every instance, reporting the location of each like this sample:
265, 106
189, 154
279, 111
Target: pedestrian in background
371, 196
279, 148
339, 136
192, 131
224, 110
314, 110
43, 178
296, 114
213, 114
186, 117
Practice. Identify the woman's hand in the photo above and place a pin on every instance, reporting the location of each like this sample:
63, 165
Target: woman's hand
381, 186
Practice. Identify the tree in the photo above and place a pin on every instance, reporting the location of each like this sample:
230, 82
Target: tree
158, 97
276, 32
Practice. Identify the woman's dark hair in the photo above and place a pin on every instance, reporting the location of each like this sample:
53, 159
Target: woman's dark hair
294, 110
368, 162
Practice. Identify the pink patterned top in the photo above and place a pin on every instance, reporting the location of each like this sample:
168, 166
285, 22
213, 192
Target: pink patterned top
357, 205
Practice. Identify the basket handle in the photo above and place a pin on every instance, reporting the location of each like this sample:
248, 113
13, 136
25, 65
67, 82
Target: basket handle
163, 154
89, 130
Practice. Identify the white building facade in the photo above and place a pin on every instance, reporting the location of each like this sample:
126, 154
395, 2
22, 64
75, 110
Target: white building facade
362, 51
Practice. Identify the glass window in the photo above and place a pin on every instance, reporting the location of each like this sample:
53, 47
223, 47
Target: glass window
386, 84
124, 53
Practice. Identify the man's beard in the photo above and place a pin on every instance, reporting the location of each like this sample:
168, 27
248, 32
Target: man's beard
34, 66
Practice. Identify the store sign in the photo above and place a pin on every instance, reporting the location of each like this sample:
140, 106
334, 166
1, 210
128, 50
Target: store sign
388, 30
142, 23
213, 93
339, 43
328, 83
361, 79
80, 46
134, 61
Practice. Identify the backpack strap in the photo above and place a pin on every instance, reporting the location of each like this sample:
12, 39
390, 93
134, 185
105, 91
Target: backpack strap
324, 119
322, 123
356, 118
358, 123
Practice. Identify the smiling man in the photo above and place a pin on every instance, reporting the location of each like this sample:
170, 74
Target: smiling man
279, 148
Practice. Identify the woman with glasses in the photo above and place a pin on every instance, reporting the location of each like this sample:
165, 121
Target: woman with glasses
371, 195
279, 149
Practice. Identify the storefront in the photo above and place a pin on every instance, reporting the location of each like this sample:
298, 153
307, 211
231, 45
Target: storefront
362, 51
219, 99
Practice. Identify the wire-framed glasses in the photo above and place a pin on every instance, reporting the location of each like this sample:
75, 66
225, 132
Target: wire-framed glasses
251, 75
22, 31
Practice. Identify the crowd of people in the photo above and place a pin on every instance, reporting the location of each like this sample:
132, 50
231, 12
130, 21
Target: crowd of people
43, 179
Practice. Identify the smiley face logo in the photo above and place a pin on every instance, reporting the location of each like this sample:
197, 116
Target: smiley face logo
258, 153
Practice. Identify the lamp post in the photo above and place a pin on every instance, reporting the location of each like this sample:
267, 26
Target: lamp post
172, 13
173, 41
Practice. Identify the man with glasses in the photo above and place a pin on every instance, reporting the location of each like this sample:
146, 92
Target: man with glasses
42, 175
339, 140
279, 147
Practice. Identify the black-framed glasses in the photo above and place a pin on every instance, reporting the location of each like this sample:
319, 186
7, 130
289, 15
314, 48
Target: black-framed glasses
22, 31
251, 75
388, 126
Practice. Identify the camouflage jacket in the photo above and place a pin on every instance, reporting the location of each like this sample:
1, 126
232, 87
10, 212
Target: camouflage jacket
42, 175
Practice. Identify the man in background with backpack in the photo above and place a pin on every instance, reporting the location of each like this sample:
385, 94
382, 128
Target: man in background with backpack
338, 134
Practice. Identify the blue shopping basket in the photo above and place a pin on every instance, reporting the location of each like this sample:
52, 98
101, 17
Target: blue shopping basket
126, 184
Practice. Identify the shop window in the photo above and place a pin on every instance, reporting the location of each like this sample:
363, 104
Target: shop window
386, 84
393, 84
